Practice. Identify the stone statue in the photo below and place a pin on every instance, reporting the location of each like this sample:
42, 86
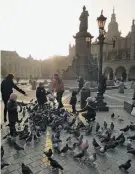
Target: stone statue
84, 20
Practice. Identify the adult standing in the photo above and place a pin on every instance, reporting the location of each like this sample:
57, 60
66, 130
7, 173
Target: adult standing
7, 86
58, 87
81, 83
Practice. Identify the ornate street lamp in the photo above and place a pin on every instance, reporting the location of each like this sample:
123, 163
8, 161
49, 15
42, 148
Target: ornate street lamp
101, 80
101, 21
101, 105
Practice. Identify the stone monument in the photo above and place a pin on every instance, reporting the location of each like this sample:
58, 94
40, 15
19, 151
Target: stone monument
81, 48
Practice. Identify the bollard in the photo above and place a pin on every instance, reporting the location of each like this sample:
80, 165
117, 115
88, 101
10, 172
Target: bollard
85, 93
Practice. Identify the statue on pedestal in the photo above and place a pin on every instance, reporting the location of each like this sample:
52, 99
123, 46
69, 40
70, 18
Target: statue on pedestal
83, 20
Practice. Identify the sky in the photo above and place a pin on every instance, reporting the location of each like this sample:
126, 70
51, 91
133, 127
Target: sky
44, 28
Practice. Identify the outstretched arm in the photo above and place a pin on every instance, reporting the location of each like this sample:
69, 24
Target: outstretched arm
83, 110
18, 89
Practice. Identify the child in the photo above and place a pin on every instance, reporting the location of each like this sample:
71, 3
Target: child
12, 113
73, 101
41, 95
91, 110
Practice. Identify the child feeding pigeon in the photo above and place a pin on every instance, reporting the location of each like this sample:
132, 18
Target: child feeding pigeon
12, 113
73, 101
91, 110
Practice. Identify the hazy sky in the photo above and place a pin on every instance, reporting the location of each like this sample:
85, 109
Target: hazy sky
44, 28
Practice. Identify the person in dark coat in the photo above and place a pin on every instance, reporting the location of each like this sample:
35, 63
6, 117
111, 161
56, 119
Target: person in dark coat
7, 86
73, 101
90, 108
81, 83
12, 113
41, 95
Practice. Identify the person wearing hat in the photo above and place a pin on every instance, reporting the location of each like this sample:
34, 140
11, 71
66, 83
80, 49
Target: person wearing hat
90, 108
7, 86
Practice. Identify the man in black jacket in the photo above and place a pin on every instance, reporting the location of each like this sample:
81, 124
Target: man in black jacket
7, 86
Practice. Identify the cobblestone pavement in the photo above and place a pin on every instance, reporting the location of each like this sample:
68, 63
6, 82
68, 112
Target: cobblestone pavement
108, 164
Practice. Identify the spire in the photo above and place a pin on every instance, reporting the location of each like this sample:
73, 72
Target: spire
113, 18
113, 10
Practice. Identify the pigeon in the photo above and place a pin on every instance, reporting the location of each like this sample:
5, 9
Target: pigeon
68, 139
105, 125
125, 129
131, 137
97, 127
55, 164
80, 139
126, 165
72, 123
103, 149
29, 139
132, 127
49, 153
132, 151
79, 155
95, 144
88, 131
31, 100
84, 145
122, 140
35, 138
111, 126
112, 145
112, 115
26, 169
93, 157
17, 147
119, 136
64, 149
129, 148
4, 165
2, 152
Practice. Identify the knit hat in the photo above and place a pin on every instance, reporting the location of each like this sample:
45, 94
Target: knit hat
90, 99
13, 96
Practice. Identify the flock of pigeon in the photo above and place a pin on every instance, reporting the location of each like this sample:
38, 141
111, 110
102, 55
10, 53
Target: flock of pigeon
34, 121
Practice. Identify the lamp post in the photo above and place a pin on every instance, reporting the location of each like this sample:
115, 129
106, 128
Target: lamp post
101, 105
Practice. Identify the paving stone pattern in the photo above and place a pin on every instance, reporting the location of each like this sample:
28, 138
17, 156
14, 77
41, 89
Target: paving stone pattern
34, 157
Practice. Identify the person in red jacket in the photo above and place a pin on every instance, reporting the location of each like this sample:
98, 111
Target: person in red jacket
58, 87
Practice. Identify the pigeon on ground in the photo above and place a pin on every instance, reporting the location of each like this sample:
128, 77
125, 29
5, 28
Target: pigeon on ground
125, 129
122, 140
131, 137
17, 147
119, 136
112, 115
49, 153
2, 152
95, 144
93, 157
26, 169
111, 126
79, 155
132, 151
55, 164
112, 145
126, 165
4, 165
64, 149
97, 127
84, 145
105, 125
88, 131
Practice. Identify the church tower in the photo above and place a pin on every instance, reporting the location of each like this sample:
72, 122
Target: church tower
132, 53
113, 28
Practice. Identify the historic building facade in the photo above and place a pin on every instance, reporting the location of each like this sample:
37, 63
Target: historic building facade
21, 67
119, 61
